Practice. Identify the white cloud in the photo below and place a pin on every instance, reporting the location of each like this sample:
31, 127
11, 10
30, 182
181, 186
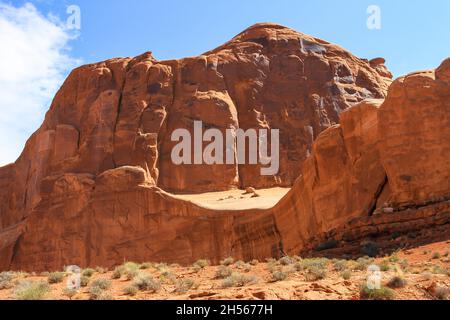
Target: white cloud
34, 60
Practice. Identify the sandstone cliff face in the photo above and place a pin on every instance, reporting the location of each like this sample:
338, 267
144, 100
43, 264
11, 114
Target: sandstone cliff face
88, 188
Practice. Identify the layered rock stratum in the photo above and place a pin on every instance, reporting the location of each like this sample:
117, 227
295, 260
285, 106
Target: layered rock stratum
364, 156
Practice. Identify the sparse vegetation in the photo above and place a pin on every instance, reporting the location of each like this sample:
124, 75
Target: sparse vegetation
184, 285
363, 263
70, 293
145, 266
435, 255
31, 290
279, 276
286, 260
101, 283
223, 272
340, 265
55, 277
383, 293
201, 264
315, 273
227, 262
384, 265
97, 290
145, 282
6, 280
88, 272
84, 281
396, 282
346, 274
238, 280
130, 290
254, 262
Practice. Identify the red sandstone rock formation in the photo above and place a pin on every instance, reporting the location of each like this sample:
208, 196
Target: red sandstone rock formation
88, 188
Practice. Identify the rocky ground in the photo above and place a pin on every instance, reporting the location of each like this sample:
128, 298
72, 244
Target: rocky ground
419, 273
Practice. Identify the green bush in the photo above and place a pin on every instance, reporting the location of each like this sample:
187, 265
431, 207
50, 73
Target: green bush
382, 293
31, 290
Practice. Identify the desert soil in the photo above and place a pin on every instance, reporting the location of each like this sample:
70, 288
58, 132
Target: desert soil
423, 268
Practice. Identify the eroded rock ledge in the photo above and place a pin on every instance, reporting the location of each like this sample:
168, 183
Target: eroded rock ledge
88, 188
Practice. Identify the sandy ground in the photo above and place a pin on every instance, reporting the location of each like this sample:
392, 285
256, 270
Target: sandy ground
423, 268
237, 199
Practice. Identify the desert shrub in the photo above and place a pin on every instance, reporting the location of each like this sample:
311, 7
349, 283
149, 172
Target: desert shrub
435, 255
346, 274
84, 281
70, 293
315, 273
286, 260
202, 263
130, 290
31, 290
117, 273
340, 265
311, 263
238, 280
384, 265
184, 285
88, 272
330, 244
363, 263
223, 272
396, 282
145, 265
254, 262
56, 277
383, 293
146, 283
6, 280
394, 258
101, 270
279, 276
101, 283
97, 293
227, 262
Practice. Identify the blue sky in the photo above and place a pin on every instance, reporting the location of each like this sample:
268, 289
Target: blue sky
414, 35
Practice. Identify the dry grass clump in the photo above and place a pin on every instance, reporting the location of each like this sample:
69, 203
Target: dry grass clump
6, 280
145, 282
31, 290
88, 272
223, 272
227, 262
55, 277
239, 280
184, 285
97, 290
278, 275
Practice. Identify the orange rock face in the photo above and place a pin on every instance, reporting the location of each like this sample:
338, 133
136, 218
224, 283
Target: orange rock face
88, 188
